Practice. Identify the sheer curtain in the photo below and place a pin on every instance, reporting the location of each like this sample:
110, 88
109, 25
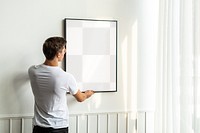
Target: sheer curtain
178, 68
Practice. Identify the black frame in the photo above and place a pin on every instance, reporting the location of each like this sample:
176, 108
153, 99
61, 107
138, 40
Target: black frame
65, 36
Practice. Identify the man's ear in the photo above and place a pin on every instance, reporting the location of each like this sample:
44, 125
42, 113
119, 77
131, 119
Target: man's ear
58, 54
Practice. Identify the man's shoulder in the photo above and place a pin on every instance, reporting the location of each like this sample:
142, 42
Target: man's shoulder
33, 67
68, 75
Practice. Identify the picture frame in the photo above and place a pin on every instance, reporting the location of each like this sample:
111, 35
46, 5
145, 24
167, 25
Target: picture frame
91, 55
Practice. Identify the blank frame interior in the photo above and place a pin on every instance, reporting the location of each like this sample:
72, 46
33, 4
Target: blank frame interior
92, 53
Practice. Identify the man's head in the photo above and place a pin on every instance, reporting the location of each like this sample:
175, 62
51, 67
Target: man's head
54, 46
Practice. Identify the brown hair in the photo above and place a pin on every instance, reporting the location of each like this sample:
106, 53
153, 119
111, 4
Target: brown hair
52, 46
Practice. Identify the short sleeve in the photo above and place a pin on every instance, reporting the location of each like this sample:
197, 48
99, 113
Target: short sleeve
73, 89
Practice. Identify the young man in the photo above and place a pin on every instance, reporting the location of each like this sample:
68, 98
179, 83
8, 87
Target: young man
49, 86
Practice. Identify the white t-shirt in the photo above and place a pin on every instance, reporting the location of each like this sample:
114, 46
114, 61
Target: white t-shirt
50, 85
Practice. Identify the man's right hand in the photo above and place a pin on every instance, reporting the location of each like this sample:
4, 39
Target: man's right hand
82, 96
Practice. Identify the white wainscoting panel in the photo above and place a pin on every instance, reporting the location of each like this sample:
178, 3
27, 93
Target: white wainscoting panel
82, 124
16, 125
112, 122
73, 127
103, 123
149, 122
4, 126
122, 123
145, 122
141, 122
92, 123
27, 125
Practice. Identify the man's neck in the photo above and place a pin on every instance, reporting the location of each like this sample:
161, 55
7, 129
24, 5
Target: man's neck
51, 62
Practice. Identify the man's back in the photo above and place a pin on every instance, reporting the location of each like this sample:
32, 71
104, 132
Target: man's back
49, 86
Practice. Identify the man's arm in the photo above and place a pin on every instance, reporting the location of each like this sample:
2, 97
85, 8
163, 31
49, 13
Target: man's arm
81, 96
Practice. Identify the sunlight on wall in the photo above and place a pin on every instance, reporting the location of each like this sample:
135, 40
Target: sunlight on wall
124, 50
197, 91
134, 66
129, 68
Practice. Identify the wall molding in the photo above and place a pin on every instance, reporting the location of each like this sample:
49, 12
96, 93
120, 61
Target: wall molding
101, 122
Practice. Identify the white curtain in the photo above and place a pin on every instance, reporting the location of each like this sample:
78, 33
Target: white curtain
178, 68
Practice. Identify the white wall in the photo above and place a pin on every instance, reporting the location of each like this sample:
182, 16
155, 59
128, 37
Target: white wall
25, 24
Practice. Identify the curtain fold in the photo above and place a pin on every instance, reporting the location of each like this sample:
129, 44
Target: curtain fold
197, 66
178, 78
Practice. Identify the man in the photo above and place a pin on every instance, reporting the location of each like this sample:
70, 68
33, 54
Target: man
49, 85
